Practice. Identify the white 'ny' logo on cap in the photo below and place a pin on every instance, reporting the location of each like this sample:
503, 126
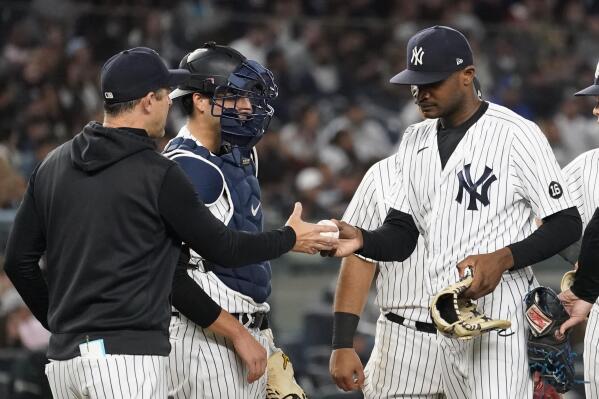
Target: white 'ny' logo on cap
417, 53
108, 94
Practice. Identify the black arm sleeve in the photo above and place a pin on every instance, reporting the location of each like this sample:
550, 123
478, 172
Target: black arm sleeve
187, 216
556, 233
24, 249
586, 284
394, 240
203, 311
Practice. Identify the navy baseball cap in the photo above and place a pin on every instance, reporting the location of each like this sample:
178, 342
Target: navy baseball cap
133, 73
592, 90
433, 54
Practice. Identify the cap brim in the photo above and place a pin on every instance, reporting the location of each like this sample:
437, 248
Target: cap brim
180, 93
592, 90
178, 77
409, 77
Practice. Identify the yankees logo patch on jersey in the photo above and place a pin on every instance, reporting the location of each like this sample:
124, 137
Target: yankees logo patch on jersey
466, 184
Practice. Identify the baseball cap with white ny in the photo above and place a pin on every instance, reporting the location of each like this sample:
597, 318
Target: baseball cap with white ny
433, 54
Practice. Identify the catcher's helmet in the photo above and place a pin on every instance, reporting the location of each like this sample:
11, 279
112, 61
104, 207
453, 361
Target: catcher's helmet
223, 73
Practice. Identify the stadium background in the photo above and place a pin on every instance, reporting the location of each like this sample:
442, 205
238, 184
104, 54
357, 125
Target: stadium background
336, 114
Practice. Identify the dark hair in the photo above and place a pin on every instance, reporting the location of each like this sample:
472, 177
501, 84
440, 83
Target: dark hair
118, 108
187, 102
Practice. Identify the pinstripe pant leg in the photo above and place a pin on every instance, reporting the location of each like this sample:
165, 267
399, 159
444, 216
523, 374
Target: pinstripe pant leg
205, 365
591, 354
454, 367
499, 363
123, 377
404, 363
59, 377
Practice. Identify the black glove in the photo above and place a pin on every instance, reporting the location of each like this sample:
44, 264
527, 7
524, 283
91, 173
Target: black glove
551, 357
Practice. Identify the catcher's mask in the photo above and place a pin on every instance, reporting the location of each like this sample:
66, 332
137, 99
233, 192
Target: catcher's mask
223, 74
256, 83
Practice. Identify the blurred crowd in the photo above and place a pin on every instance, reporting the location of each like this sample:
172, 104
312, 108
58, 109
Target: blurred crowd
336, 113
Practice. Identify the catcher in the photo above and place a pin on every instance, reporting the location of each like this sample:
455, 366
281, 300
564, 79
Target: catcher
227, 104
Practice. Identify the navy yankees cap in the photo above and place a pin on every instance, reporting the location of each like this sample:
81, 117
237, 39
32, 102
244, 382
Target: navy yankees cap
592, 90
133, 73
433, 54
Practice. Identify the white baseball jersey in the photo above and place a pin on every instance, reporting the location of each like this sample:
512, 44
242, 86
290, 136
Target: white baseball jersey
500, 176
404, 361
201, 363
401, 286
582, 174
108, 377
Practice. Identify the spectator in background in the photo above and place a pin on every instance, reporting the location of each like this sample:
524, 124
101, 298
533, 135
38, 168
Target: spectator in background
370, 139
576, 130
255, 43
299, 136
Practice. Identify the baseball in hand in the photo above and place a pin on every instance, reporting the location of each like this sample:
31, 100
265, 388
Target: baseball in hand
334, 234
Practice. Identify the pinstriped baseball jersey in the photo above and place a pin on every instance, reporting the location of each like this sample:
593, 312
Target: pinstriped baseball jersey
404, 361
401, 286
581, 175
222, 208
501, 175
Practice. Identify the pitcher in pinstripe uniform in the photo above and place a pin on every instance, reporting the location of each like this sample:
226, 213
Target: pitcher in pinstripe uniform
581, 300
470, 179
227, 104
405, 361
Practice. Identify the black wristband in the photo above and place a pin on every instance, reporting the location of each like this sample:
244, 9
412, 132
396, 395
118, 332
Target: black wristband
344, 328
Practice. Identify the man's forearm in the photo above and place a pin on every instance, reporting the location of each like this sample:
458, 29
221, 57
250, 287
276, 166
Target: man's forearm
557, 232
395, 240
355, 278
353, 285
25, 246
586, 285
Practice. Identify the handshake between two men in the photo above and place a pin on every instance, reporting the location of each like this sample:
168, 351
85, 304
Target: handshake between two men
392, 243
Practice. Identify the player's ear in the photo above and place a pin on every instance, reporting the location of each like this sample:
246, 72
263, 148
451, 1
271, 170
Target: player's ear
467, 75
201, 103
146, 102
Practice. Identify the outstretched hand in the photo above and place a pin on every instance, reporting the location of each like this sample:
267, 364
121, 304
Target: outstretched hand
350, 240
308, 238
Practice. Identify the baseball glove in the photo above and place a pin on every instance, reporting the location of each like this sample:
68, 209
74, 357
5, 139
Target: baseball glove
280, 383
458, 317
547, 354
